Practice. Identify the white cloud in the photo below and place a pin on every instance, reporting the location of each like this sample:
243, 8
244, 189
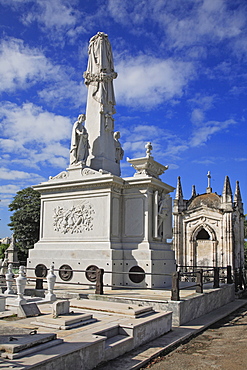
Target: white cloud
201, 104
41, 126
204, 161
7, 192
166, 145
64, 90
242, 159
128, 12
22, 67
203, 20
53, 14
7, 174
59, 19
147, 81
33, 134
194, 25
175, 148
9, 189
202, 134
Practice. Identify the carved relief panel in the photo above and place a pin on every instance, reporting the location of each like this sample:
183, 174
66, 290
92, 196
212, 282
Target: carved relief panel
76, 219
81, 218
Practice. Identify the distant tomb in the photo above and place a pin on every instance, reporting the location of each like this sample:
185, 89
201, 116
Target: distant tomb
209, 228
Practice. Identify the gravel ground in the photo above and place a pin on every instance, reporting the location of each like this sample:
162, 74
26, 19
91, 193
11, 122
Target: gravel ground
222, 346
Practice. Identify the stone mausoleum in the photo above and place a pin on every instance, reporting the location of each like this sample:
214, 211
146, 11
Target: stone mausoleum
209, 228
90, 216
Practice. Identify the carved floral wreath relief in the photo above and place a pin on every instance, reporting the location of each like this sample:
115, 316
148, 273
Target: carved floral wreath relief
74, 220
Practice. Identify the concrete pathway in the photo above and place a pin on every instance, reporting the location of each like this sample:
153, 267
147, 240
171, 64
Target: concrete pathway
141, 356
222, 347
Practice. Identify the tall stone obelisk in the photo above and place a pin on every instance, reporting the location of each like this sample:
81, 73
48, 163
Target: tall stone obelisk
91, 217
104, 145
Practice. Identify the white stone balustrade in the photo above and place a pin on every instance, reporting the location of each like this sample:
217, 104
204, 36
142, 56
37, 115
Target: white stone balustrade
9, 280
21, 281
51, 279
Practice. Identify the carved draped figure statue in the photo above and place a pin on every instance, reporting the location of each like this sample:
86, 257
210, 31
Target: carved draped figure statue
100, 70
119, 149
163, 209
79, 142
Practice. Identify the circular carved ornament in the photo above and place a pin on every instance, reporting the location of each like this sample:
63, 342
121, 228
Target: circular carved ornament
136, 278
41, 270
65, 272
91, 273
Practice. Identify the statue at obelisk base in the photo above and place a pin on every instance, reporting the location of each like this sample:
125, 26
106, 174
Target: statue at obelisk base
79, 142
119, 149
99, 77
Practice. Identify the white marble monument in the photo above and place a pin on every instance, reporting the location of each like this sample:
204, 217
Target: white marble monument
90, 216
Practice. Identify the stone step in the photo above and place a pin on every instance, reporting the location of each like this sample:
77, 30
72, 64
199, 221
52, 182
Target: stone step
117, 341
64, 322
130, 310
32, 350
10, 346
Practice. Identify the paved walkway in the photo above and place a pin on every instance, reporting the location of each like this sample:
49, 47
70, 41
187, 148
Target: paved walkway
142, 356
223, 346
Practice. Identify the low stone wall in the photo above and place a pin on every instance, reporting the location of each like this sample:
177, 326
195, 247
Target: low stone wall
201, 304
186, 309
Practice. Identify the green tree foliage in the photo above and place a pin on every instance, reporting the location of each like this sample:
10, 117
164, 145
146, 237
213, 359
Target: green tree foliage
25, 219
3, 248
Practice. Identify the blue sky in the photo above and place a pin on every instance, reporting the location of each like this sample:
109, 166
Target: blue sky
182, 84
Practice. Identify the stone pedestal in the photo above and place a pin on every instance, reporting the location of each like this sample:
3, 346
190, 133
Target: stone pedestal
2, 303
93, 219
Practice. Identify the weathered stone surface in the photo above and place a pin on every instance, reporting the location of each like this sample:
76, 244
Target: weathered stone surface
64, 322
60, 308
199, 305
2, 303
20, 342
28, 310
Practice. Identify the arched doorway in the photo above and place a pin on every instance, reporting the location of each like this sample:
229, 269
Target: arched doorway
205, 247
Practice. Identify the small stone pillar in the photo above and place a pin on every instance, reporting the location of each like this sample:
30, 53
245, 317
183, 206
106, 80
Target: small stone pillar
5, 263
51, 279
21, 281
9, 280
2, 303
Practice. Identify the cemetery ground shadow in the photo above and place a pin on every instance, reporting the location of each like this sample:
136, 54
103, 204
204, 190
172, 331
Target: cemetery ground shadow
221, 346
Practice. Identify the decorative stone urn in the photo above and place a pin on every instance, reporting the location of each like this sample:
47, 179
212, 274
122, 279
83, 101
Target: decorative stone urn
9, 280
51, 279
21, 281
